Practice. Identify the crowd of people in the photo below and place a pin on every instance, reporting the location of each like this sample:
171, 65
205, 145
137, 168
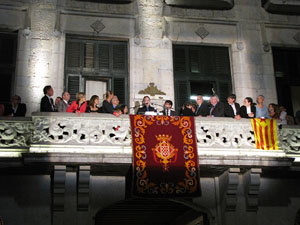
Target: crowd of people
213, 108
81, 104
232, 109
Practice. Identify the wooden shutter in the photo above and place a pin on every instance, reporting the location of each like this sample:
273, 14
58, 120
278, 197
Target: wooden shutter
181, 93
89, 55
221, 61
103, 57
73, 54
194, 59
179, 60
119, 57
73, 81
119, 89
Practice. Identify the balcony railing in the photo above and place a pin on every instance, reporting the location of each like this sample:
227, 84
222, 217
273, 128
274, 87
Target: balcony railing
218, 138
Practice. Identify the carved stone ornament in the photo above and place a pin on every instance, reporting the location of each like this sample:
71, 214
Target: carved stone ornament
15, 133
202, 32
297, 37
289, 139
62, 130
224, 134
152, 90
97, 26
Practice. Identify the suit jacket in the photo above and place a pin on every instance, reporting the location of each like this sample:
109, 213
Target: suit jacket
21, 110
143, 109
173, 113
203, 110
62, 106
218, 111
186, 112
46, 105
228, 110
243, 111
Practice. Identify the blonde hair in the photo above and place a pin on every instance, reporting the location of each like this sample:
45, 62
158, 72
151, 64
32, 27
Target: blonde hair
80, 95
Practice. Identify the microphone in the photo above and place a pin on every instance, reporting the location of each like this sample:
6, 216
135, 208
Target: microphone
154, 104
134, 107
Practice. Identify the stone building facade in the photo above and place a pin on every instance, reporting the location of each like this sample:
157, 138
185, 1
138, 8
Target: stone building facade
151, 29
49, 177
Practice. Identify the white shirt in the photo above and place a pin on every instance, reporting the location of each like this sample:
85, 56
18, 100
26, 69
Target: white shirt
234, 109
283, 117
248, 109
168, 112
49, 97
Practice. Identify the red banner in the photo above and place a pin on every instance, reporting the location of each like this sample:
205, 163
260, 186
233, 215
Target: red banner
165, 159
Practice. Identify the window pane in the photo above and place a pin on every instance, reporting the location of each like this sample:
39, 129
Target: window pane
89, 55
73, 54
119, 57
104, 57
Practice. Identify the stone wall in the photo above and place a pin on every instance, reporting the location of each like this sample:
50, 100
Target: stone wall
232, 197
151, 28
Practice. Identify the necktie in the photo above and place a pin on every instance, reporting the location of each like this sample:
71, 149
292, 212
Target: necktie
212, 110
197, 109
52, 105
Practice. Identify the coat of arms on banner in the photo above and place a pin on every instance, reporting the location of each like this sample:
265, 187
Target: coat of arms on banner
165, 159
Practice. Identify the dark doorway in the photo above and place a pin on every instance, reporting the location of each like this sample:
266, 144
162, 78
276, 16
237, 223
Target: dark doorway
198, 69
149, 212
8, 50
287, 75
204, 88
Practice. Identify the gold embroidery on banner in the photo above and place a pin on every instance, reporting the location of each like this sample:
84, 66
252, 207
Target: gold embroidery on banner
143, 183
164, 152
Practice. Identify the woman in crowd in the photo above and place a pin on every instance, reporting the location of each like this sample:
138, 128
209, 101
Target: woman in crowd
78, 106
107, 107
124, 109
186, 109
283, 115
273, 111
248, 110
93, 105
261, 109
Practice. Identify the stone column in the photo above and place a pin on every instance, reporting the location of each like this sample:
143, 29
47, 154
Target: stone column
252, 60
151, 54
40, 56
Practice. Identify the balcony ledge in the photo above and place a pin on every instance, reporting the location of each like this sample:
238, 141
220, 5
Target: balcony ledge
90, 138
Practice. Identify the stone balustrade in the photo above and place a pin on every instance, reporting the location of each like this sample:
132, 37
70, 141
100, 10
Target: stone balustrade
104, 133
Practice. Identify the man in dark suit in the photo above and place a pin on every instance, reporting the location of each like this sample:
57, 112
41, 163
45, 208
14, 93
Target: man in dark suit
216, 108
202, 108
168, 109
146, 106
16, 108
47, 104
231, 108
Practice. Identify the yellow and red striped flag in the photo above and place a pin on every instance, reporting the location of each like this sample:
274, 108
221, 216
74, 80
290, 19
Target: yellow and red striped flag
265, 132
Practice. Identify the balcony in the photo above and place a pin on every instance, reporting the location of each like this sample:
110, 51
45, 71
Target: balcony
202, 4
100, 139
286, 7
